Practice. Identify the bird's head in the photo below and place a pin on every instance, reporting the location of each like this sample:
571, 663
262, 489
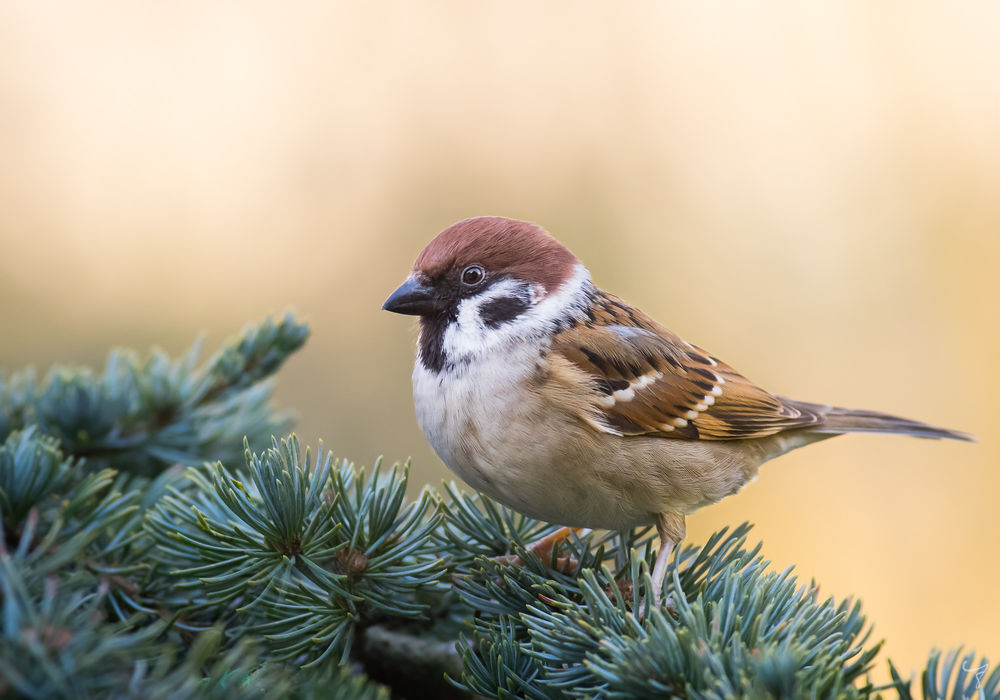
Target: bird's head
484, 280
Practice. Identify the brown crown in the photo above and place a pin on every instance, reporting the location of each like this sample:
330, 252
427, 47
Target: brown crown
505, 246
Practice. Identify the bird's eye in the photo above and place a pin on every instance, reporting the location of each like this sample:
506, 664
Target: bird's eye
473, 275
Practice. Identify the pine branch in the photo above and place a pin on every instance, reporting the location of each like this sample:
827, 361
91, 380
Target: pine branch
735, 629
142, 416
950, 676
299, 551
56, 643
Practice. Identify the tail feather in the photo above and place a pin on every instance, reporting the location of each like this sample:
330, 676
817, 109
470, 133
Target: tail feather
834, 420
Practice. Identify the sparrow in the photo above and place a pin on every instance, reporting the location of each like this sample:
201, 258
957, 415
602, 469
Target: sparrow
570, 405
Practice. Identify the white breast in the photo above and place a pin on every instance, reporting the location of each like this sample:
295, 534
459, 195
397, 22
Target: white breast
465, 412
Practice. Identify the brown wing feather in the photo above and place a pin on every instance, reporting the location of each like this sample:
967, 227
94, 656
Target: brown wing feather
647, 381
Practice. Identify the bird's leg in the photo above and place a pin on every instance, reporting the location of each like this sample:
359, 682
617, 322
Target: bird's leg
621, 551
671, 528
543, 549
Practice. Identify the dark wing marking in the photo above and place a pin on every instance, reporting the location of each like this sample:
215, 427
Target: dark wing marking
647, 380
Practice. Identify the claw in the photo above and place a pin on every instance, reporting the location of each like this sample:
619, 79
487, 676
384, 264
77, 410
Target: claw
543, 549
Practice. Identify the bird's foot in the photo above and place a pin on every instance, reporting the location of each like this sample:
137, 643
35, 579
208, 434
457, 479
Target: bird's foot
542, 548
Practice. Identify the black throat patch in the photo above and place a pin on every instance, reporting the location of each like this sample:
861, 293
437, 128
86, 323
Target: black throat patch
432, 330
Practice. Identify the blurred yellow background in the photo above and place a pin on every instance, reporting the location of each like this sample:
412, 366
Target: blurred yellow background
812, 193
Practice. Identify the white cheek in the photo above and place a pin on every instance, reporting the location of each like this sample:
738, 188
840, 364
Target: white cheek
467, 333
468, 337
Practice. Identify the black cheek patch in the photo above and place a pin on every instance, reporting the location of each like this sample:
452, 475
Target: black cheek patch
496, 312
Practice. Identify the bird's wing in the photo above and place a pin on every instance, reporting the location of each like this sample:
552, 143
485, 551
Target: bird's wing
647, 381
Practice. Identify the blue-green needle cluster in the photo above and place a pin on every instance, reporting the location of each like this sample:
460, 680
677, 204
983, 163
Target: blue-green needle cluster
295, 550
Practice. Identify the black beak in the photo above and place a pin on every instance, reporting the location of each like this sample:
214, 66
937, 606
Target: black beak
412, 298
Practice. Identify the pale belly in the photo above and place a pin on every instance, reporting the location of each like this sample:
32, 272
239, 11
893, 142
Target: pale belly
498, 438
